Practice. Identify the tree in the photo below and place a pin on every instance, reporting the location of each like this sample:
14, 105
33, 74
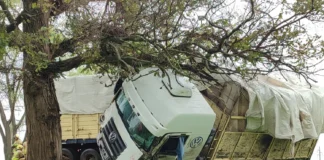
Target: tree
11, 93
130, 34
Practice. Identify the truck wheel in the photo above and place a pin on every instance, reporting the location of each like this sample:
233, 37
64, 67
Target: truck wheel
90, 154
67, 153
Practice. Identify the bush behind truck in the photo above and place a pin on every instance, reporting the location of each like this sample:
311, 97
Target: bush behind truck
151, 119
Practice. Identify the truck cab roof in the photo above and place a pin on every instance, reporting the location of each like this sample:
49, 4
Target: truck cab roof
173, 101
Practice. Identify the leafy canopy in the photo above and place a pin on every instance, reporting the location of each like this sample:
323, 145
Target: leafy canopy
194, 38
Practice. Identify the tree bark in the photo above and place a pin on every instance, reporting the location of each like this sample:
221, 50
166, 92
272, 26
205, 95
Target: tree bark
43, 118
5, 134
42, 109
7, 147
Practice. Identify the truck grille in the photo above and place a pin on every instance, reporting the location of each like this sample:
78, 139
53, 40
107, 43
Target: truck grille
112, 144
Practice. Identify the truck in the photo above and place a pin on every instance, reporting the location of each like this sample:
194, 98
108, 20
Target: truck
149, 116
82, 100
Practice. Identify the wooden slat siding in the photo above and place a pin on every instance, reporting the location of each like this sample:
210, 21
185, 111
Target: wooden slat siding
242, 150
260, 146
88, 123
66, 121
93, 133
74, 125
85, 127
278, 148
303, 149
80, 126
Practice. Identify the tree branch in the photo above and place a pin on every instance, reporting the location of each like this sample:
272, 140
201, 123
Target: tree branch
6, 11
59, 7
20, 121
237, 28
16, 90
13, 25
65, 65
4, 121
2, 114
244, 22
2, 134
281, 25
65, 46
10, 91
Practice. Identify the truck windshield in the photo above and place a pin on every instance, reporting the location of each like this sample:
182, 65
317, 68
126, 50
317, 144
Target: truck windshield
138, 132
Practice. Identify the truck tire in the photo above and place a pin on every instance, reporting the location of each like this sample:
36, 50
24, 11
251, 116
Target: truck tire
90, 154
67, 153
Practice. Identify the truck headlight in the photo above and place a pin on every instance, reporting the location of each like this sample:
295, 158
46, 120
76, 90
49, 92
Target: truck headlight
102, 118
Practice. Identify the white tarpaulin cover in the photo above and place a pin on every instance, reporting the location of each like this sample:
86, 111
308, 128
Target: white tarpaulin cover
84, 94
284, 110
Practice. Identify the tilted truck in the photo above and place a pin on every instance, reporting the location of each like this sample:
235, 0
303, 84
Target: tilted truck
151, 119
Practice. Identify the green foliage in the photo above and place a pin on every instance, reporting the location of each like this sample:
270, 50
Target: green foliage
3, 44
169, 34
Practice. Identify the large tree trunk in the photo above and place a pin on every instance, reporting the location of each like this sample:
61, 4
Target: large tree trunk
7, 147
42, 109
43, 119
8, 152
7, 141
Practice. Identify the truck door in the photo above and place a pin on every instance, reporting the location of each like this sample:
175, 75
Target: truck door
169, 148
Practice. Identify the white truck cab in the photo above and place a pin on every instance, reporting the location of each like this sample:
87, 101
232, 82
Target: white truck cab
154, 117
